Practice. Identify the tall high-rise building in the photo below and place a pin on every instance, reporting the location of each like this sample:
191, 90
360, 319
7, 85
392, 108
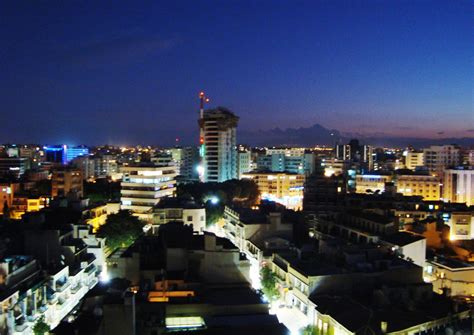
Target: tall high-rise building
362, 155
218, 147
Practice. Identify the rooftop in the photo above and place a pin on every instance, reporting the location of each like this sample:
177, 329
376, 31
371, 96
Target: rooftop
451, 263
360, 314
402, 238
177, 203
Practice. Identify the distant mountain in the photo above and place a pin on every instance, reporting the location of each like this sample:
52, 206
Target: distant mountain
317, 134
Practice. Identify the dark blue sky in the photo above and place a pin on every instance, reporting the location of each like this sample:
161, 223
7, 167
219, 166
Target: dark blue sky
130, 71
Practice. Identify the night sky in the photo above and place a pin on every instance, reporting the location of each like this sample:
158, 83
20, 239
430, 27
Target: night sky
121, 73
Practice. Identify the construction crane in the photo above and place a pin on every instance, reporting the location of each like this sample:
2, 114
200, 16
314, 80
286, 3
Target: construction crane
202, 100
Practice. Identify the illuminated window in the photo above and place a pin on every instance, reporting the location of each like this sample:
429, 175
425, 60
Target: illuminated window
185, 322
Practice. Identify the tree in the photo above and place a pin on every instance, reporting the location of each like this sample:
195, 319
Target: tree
310, 330
6, 211
214, 212
102, 190
121, 229
243, 192
268, 281
41, 327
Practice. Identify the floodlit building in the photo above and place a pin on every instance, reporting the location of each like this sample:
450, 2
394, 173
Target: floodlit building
73, 152
408, 184
144, 185
414, 160
423, 185
459, 186
282, 187
218, 147
372, 183
22, 204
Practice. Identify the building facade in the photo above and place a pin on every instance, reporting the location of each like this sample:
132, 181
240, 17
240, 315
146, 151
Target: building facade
13, 166
282, 187
459, 186
437, 158
67, 182
414, 160
218, 147
426, 186
144, 185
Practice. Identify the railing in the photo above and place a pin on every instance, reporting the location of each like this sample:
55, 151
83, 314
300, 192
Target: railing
21, 328
76, 288
60, 287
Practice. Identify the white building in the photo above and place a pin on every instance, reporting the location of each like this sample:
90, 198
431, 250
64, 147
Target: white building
244, 162
172, 209
408, 245
453, 276
53, 296
440, 157
144, 185
218, 147
459, 186
371, 183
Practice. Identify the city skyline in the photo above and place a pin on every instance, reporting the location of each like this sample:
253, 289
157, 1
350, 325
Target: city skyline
91, 74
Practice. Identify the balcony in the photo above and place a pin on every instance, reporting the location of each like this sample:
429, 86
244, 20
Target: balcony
21, 327
76, 288
93, 282
91, 268
53, 299
32, 318
62, 285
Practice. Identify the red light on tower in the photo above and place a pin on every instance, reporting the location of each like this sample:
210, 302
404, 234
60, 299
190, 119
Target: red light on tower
201, 140
202, 100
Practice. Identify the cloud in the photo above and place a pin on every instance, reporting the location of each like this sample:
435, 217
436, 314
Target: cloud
405, 128
120, 49
470, 130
